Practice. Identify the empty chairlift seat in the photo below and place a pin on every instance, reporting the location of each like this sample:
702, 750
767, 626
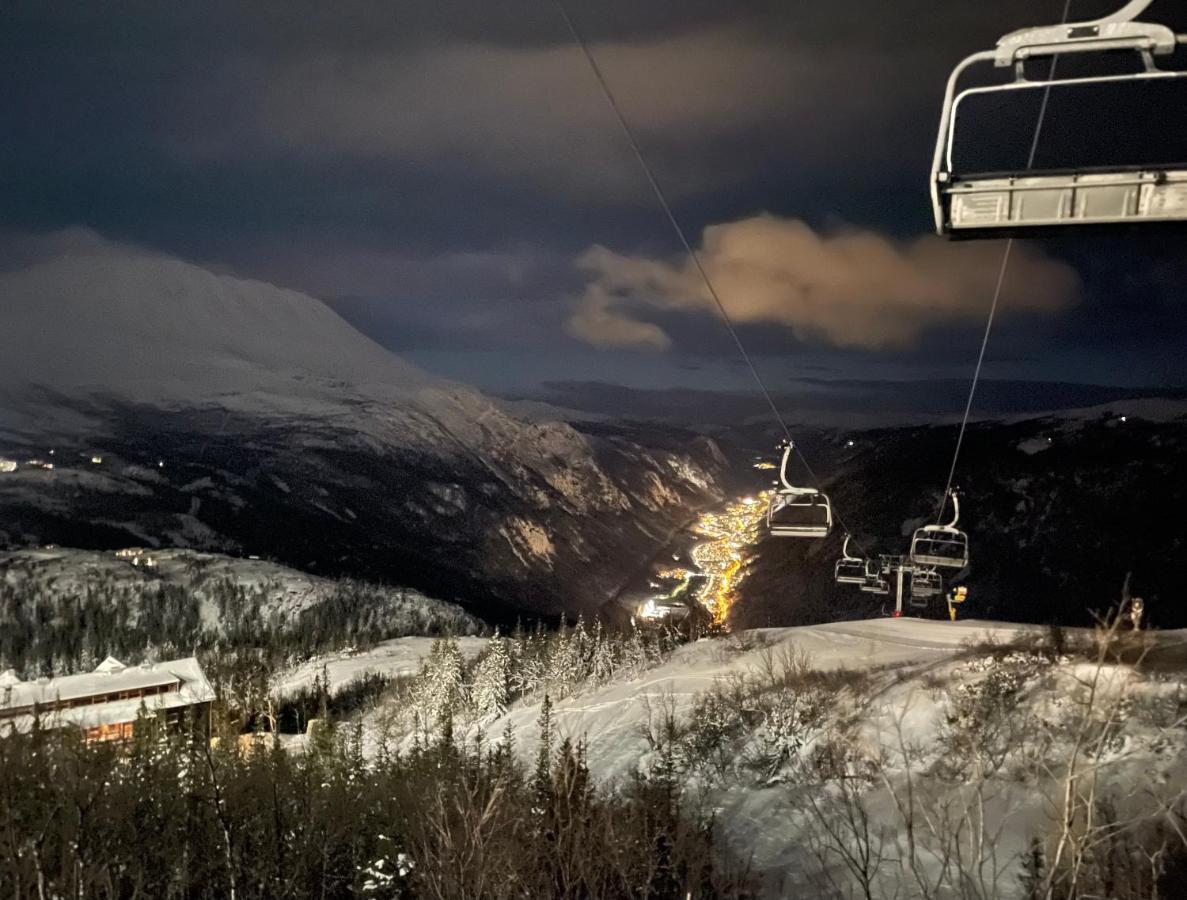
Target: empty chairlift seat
800, 512
849, 569
874, 582
1017, 203
941, 546
925, 584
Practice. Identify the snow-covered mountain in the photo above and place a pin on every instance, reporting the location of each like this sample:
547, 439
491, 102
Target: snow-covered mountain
231, 414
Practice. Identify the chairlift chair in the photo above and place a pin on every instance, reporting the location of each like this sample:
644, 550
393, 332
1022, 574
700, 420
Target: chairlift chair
849, 569
1019, 203
941, 546
925, 584
874, 582
802, 512
877, 586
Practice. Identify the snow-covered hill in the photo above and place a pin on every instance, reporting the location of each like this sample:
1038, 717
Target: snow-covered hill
63, 608
940, 749
151, 328
234, 415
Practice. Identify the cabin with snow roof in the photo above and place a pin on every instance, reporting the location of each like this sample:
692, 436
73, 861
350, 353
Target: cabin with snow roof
107, 703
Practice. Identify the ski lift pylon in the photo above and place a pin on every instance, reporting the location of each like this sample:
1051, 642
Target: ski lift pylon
802, 512
1016, 203
941, 546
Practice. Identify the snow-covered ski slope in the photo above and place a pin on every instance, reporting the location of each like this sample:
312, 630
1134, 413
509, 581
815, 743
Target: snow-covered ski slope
611, 717
944, 710
392, 659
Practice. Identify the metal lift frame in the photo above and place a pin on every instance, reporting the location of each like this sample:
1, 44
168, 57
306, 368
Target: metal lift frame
809, 497
849, 569
941, 534
993, 206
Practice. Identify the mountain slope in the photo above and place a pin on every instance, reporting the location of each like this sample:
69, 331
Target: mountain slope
1058, 509
284, 431
63, 610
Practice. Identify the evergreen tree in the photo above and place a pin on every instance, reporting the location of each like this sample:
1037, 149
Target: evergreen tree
492, 679
529, 675
441, 688
634, 655
602, 662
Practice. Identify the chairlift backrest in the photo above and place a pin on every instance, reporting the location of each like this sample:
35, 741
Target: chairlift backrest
876, 586
849, 571
1021, 202
940, 546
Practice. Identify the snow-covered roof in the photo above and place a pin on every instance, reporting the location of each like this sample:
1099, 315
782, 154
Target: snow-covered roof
183, 679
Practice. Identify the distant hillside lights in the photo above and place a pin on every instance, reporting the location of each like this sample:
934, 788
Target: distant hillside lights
138, 556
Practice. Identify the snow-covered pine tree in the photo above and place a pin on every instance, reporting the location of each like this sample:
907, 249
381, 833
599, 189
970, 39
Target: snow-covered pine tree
559, 669
602, 662
634, 655
529, 675
451, 676
440, 687
491, 689
581, 649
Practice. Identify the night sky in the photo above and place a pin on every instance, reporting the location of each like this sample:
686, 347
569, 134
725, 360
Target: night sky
446, 174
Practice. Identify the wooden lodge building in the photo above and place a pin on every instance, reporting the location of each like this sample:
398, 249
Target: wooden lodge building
107, 702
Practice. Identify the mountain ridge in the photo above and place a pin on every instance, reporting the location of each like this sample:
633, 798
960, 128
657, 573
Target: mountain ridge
237, 385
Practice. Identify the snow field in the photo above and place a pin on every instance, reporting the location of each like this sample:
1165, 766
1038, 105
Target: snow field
939, 733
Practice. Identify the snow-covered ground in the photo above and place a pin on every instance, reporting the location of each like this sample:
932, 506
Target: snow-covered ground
921, 680
611, 717
395, 658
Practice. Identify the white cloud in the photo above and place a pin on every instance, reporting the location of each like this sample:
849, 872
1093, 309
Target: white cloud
851, 288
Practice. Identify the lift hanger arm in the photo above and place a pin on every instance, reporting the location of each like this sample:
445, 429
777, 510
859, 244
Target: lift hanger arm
787, 485
1127, 13
1118, 31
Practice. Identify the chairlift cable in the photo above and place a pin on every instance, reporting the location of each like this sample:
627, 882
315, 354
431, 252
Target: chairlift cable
692, 255
1001, 280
